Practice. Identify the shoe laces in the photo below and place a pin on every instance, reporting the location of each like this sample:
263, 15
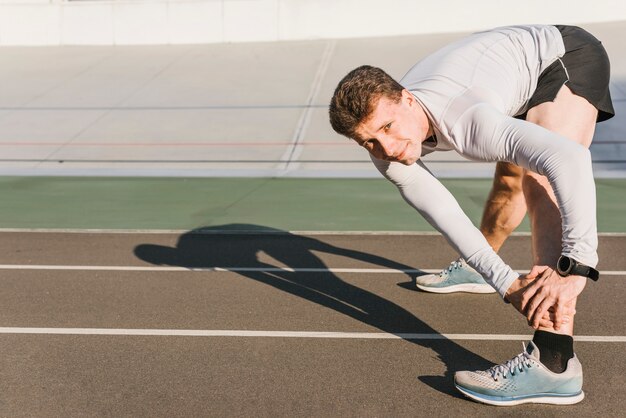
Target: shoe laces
517, 363
455, 265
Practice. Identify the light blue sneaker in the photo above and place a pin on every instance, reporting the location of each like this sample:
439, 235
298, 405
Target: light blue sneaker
523, 379
458, 277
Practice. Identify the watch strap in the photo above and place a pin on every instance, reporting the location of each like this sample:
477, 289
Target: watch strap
586, 271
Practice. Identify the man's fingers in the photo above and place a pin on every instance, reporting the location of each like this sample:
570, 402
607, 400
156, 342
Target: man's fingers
536, 271
549, 316
531, 299
547, 299
548, 323
540, 311
528, 296
545, 323
558, 317
530, 293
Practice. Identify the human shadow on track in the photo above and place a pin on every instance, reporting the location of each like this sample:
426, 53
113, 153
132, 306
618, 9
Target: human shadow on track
217, 247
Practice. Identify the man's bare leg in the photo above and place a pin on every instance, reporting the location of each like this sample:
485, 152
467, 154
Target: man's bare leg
574, 118
506, 205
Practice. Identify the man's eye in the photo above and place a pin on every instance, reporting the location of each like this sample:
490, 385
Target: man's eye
388, 126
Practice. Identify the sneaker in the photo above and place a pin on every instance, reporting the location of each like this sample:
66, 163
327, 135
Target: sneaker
458, 277
523, 379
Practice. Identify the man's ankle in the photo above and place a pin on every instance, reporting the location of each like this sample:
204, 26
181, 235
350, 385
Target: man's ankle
555, 350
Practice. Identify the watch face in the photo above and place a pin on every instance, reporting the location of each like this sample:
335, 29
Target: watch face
565, 264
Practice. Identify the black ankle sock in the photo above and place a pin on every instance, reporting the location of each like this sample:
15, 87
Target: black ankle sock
554, 350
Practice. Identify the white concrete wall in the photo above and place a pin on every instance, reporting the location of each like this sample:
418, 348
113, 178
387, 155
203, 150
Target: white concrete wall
132, 22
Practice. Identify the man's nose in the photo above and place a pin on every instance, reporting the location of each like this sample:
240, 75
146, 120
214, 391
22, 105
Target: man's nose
389, 145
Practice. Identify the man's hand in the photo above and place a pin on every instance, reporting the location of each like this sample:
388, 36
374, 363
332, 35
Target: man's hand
550, 291
520, 294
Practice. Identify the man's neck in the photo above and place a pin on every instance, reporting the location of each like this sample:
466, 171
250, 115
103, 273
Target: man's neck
423, 120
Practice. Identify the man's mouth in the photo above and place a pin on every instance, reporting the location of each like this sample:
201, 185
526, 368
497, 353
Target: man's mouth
401, 156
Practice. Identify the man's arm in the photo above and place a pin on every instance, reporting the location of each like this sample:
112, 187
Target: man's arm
435, 203
490, 135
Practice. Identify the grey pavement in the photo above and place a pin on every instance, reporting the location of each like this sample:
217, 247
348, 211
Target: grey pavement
130, 375
255, 109
287, 300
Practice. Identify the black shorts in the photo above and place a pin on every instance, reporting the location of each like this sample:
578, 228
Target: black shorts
584, 68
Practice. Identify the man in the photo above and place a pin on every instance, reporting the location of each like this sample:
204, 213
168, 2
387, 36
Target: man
527, 97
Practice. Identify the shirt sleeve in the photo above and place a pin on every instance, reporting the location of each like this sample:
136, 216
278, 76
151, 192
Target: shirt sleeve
435, 203
488, 135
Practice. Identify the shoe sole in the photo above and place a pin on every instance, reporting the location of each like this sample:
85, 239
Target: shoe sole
542, 398
466, 288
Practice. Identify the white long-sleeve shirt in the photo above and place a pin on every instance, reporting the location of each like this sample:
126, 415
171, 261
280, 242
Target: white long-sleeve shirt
471, 89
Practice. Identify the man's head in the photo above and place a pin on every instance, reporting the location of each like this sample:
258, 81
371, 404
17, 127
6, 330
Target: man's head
357, 94
379, 114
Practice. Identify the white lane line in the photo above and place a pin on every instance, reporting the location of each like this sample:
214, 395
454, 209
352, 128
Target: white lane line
208, 269
201, 231
246, 269
290, 334
245, 232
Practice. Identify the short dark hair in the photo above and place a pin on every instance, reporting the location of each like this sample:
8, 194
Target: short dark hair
356, 96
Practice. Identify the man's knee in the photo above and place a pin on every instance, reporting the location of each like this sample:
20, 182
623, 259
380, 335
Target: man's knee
508, 179
506, 204
537, 188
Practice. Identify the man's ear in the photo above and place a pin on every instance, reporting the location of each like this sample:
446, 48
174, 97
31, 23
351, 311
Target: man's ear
406, 95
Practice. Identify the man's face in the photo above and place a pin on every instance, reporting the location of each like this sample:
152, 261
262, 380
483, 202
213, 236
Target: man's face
395, 131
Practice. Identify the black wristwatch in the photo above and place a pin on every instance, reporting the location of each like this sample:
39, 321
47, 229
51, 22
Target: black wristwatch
569, 267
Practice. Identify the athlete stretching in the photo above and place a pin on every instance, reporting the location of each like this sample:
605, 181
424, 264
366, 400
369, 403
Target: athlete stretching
527, 97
